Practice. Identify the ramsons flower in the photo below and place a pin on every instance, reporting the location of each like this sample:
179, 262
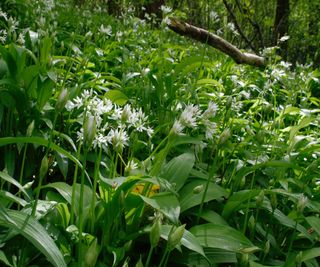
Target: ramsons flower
189, 116
118, 138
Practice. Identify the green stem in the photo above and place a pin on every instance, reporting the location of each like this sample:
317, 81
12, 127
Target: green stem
164, 256
149, 256
248, 203
80, 224
38, 189
291, 240
95, 182
211, 173
74, 184
22, 168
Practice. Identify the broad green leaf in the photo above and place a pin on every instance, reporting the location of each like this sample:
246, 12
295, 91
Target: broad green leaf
212, 217
12, 198
285, 220
314, 223
117, 97
213, 256
63, 163
221, 236
44, 90
65, 191
45, 50
255, 264
4, 259
165, 202
10, 162
310, 253
184, 139
178, 169
189, 198
188, 239
32, 230
211, 82
235, 201
9, 60
39, 141
14, 182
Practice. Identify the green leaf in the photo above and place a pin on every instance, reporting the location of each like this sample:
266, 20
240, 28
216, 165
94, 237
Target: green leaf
212, 217
188, 198
40, 141
117, 97
14, 182
310, 253
314, 223
65, 191
178, 169
165, 202
4, 259
45, 51
188, 239
63, 163
32, 230
9, 60
5, 195
235, 201
211, 82
221, 236
44, 91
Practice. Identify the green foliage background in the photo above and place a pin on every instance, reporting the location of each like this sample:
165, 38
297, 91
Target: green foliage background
122, 144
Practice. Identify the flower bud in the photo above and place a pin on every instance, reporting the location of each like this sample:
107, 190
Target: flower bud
299, 258
274, 201
197, 189
62, 100
266, 247
225, 136
30, 129
92, 253
89, 131
260, 199
175, 237
44, 167
155, 233
302, 202
229, 102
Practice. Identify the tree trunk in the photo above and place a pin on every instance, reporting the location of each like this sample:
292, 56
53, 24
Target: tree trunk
281, 24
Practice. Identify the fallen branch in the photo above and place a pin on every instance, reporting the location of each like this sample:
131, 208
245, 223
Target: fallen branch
215, 41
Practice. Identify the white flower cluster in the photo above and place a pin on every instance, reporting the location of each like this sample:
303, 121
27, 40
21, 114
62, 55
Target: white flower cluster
114, 124
192, 117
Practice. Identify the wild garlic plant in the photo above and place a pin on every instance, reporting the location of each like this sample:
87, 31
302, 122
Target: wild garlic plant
116, 127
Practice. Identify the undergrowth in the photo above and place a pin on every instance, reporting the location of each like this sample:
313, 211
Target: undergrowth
122, 144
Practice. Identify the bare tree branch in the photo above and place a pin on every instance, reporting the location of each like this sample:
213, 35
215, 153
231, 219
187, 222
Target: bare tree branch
215, 41
236, 24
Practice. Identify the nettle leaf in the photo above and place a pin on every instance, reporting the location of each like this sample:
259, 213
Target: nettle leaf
222, 237
165, 202
189, 197
178, 169
32, 230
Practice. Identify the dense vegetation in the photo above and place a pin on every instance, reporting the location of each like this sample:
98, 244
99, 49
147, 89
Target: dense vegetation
123, 144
